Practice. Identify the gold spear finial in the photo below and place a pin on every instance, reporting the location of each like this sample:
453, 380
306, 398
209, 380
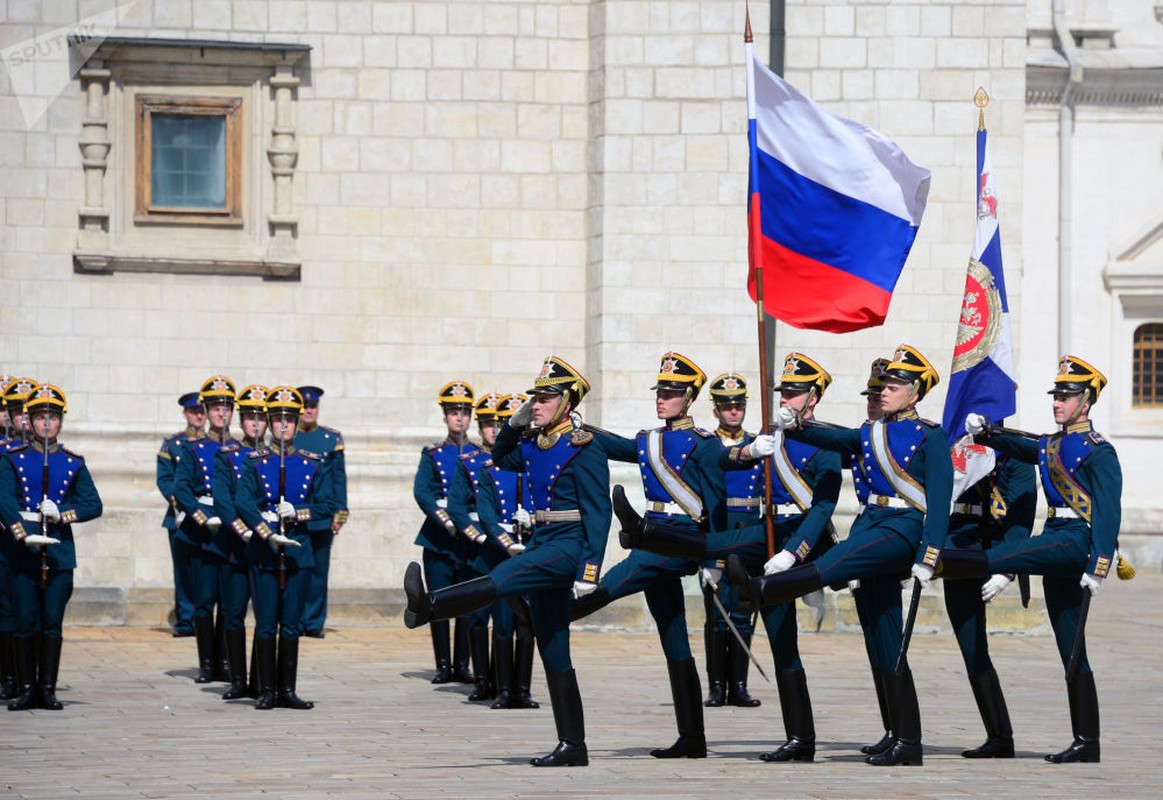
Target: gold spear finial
981, 100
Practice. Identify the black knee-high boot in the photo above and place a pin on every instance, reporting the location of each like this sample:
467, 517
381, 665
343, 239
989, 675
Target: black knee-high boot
906, 748
738, 665
289, 674
478, 644
204, 639
440, 651
50, 665
7, 666
25, 651
885, 717
991, 704
688, 711
771, 590
264, 659
798, 722
452, 601
1084, 719
221, 656
523, 673
584, 606
716, 669
568, 718
503, 667
956, 563
460, 651
236, 658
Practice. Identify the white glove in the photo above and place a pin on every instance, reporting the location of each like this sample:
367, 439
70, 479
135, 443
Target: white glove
785, 419
581, 588
779, 562
270, 518
1088, 582
523, 415
515, 549
975, 424
923, 573
995, 586
179, 518
36, 540
247, 534
763, 445
30, 516
710, 577
50, 510
479, 538
214, 523
285, 509
276, 539
450, 526
523, 518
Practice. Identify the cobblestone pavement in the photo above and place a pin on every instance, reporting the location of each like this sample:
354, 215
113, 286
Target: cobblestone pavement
135, 725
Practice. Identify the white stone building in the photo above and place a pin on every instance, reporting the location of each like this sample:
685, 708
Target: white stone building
428, 190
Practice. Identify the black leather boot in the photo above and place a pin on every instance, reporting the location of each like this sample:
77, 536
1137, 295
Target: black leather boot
798, 723
968, 563
252, 683
7, 666
221, 657
204, 638
1083, 698
523, 673
460, 650
716, 669
288, 675
584, 606
25, 651
688, 712
906, 750
478, 645
236, 658
628, 519
418, 611
771, 590
503, 665
440, 650
885, 718
569, 720
50, 665
738, 664
672, 540
991, 704
264, 659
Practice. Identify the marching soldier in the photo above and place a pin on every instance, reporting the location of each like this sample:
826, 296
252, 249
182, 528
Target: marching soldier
568, 479
44, 489
193, 496
281, 489
805, 485
328, 443
167, 459
685, 488
233, 534
438, 534
744, 497
906, 461
1082, 481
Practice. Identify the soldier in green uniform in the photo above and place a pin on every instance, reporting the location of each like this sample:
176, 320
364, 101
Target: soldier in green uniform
168, 455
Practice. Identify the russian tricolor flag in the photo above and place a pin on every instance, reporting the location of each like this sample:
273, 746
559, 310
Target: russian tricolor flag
981, 380
834, 208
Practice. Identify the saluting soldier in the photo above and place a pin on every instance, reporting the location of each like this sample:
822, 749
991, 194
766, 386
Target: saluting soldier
328, 443
168, 456
744, 496
438, 535
805, 486
193, 496
906, 461
568, 480
44, 489
233, 534
1082, 482
684, 487
280, 491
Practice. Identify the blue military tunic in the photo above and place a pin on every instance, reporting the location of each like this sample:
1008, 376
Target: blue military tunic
328, 443
430, 489
194, 491
168, 457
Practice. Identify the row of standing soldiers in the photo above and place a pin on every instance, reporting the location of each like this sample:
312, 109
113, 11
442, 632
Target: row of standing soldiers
921, 516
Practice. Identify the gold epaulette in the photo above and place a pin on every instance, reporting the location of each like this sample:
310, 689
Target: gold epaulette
580, 437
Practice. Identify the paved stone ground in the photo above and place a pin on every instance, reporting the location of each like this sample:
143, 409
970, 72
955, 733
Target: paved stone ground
135, 726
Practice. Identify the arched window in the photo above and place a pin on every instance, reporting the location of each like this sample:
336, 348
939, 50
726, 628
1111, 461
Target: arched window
1147, 374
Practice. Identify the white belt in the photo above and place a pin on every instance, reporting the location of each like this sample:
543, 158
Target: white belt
206, 500
568, 515
970, 509
744, 502
665, 508
885, 501
1061, 512
785, 509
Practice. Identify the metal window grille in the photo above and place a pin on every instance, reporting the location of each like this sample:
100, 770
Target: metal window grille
1147, 370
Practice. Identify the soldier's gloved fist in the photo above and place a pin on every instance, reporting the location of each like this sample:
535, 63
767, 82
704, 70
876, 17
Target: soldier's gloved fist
995, 586
786, 419
523, 415
779, 562
247, 534
37, 540
214, 523
523, 518
975, 424
479, 538
515, 549
709, 577
1090, 583
450, 526
581, 589
285, 509
30, 516
923, 573
270, 518
763, 445
50, 510
276, 539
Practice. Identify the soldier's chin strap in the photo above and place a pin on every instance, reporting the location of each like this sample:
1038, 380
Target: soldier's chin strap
1083, 406
558, 415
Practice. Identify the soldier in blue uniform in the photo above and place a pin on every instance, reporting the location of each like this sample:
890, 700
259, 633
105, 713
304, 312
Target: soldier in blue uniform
167, 460
233, 534
744, 496
193, 496
805, 485
568, 481
7, 551
906, 461
44, 489
281, 490
438, 535
1082, 481
685, 487
328, 443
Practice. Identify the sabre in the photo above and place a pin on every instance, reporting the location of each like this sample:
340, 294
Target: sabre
1079, 637
910, 621
43, 519
738, 636
282, 496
